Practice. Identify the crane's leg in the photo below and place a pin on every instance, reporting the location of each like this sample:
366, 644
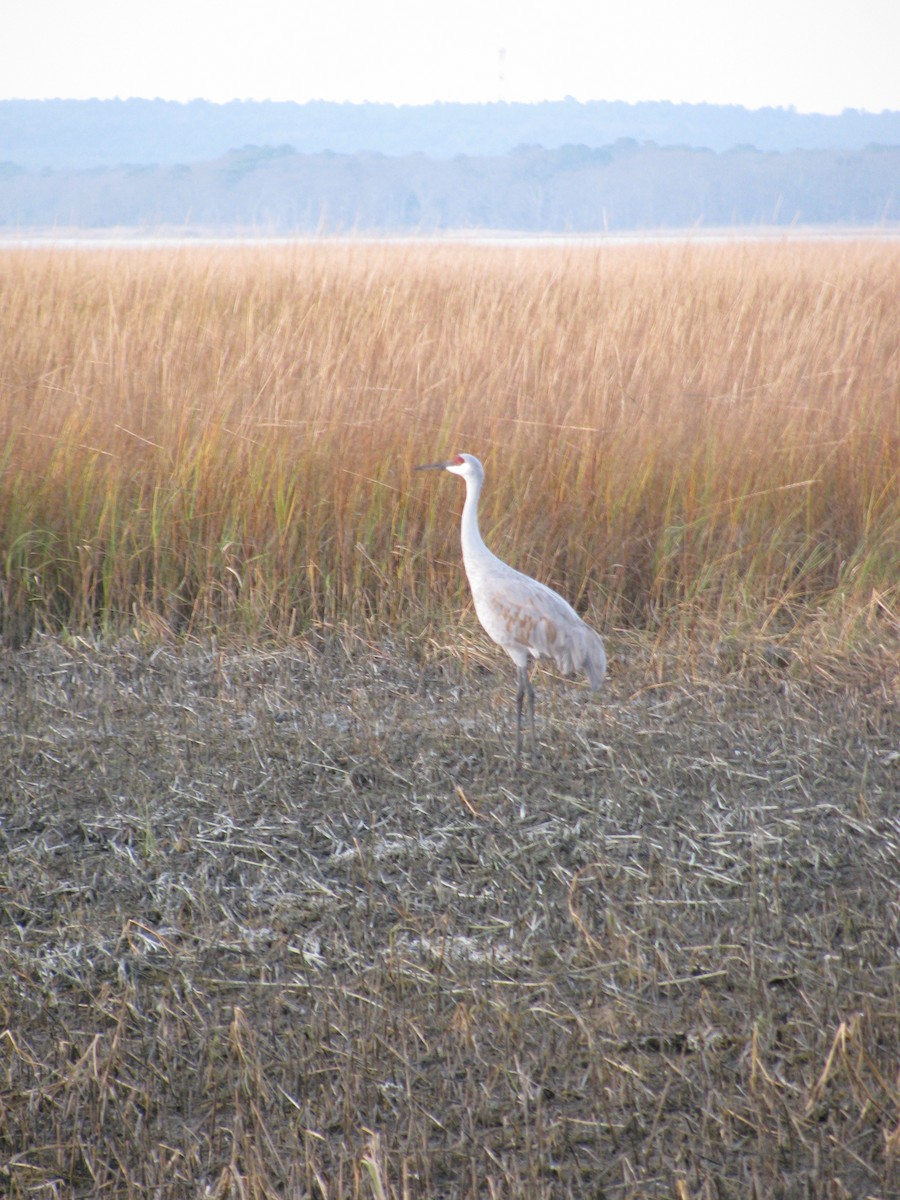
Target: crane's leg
529, 690
524, 689
522, 677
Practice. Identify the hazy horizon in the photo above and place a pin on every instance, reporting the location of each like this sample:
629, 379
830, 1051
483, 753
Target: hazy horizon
764, 55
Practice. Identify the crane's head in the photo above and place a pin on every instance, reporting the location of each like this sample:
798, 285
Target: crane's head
466, 465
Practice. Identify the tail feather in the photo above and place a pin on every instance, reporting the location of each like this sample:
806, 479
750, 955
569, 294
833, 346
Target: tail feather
583, 651
594, 661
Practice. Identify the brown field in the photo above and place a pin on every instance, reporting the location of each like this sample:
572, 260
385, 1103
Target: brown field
286, 923
278, 916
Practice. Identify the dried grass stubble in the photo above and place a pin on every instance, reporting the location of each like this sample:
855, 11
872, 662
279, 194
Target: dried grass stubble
287, 923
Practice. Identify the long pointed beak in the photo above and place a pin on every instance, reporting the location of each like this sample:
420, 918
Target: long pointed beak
441, 466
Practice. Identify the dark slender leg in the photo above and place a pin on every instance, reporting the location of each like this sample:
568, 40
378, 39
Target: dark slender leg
530, 693
524, 689
522, 677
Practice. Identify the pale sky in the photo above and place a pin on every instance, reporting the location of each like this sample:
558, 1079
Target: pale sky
817, 55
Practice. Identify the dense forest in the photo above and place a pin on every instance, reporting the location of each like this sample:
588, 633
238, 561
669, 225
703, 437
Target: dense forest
372, 168
572, 189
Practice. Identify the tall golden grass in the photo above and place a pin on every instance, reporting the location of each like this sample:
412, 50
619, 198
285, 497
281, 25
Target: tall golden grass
222, 438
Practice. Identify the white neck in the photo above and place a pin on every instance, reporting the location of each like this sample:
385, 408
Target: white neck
473, 546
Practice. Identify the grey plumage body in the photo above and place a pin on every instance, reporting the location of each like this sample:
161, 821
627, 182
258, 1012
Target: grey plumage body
526, 618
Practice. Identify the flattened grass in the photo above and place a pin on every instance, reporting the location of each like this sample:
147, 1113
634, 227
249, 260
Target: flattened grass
198, 439
283, 922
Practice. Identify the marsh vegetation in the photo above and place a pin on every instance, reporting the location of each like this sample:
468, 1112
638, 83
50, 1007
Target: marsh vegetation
278, 917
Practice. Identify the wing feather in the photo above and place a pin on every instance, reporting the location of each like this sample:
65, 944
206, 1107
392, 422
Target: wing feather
521, 615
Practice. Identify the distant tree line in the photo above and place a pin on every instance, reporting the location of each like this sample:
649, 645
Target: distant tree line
87, 133
573, 188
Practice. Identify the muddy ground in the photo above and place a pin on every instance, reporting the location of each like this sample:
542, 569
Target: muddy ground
289, 923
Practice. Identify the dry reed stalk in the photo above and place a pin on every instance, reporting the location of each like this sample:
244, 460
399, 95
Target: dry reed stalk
205, 439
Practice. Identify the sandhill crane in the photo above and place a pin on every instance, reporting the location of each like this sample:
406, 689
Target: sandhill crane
522, 616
